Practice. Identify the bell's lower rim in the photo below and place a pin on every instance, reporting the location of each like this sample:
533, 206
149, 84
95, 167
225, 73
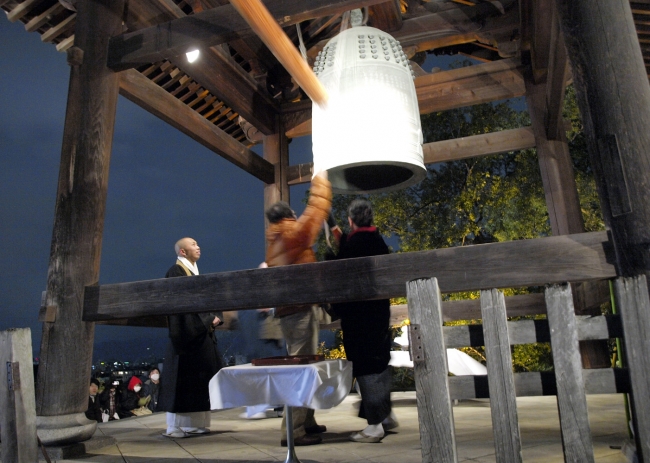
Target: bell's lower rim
375, 177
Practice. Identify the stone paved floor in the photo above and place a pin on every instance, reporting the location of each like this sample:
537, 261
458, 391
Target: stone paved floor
139, 440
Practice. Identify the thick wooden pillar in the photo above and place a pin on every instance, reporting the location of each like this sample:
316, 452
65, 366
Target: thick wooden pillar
614, 97
276, 151
556, 167
562, 200
67, 344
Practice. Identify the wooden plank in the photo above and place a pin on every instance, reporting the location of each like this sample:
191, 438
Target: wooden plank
534, 384
511, 264
437, 436
470, 85
65, 44
385, 16
633, 304
218, 72
212, 27
143, 92
451, 150
38, 21
503, 403
532, 331
453, 26
571, 398
59, 29
556, 168
294, 114
67, 343
18, 417
479, 145
22, 9
556, 80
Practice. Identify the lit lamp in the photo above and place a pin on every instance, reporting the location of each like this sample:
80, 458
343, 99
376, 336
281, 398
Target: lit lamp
368, 135
192, 55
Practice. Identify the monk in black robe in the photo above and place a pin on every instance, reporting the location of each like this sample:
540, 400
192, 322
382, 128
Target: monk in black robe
192, 357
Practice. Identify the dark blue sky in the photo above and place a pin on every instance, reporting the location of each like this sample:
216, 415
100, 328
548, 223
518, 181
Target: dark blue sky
147, 209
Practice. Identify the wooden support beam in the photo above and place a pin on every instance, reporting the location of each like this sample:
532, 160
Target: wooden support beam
611, 83
276, 152
22, 9
478, 145
556, 79
501, 381
218, 72
211, 27
435, 415
579, 257
470, 85
294, 114
59, 29
386, 16
556, 167
38, 21
451, 150
542, 19
67, 342
481, 83
532, 384
454, 25
633, 303
571, 398
18, 417
143, 92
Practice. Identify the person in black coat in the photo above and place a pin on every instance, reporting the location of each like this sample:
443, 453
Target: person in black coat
366, 328
192, 357
111, 399
94, 411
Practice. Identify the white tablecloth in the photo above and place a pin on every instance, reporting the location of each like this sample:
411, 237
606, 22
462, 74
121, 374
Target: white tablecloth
315, 385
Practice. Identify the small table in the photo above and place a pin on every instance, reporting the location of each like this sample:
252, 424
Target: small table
316, 385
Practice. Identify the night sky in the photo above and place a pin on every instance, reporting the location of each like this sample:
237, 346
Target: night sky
162, 186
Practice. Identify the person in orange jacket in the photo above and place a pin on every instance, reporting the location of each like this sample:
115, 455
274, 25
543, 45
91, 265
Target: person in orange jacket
289, 241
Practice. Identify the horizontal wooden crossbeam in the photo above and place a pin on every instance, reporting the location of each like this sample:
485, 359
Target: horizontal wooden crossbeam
529, 384
471, 85
159, 102
484, 83
580, 257
212, 27
449, 150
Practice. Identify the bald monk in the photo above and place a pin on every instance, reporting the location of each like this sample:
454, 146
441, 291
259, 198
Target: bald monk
192, 358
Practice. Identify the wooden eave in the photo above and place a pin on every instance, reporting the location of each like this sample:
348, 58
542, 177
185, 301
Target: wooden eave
231, 83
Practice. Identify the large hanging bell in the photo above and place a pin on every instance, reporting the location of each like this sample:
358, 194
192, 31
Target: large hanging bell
368, 135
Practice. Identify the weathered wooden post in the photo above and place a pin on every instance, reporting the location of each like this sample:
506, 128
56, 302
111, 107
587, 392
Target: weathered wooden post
501, 380
67, 344
614, 97
276, 151
544, 98
17, 409
633, 303
437, 436
571, 398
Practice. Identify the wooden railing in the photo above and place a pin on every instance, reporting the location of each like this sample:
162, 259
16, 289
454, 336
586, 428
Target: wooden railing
569, 382
549, 261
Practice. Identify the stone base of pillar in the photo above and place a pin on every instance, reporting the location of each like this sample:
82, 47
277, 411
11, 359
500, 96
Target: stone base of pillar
64, 429
70, 451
